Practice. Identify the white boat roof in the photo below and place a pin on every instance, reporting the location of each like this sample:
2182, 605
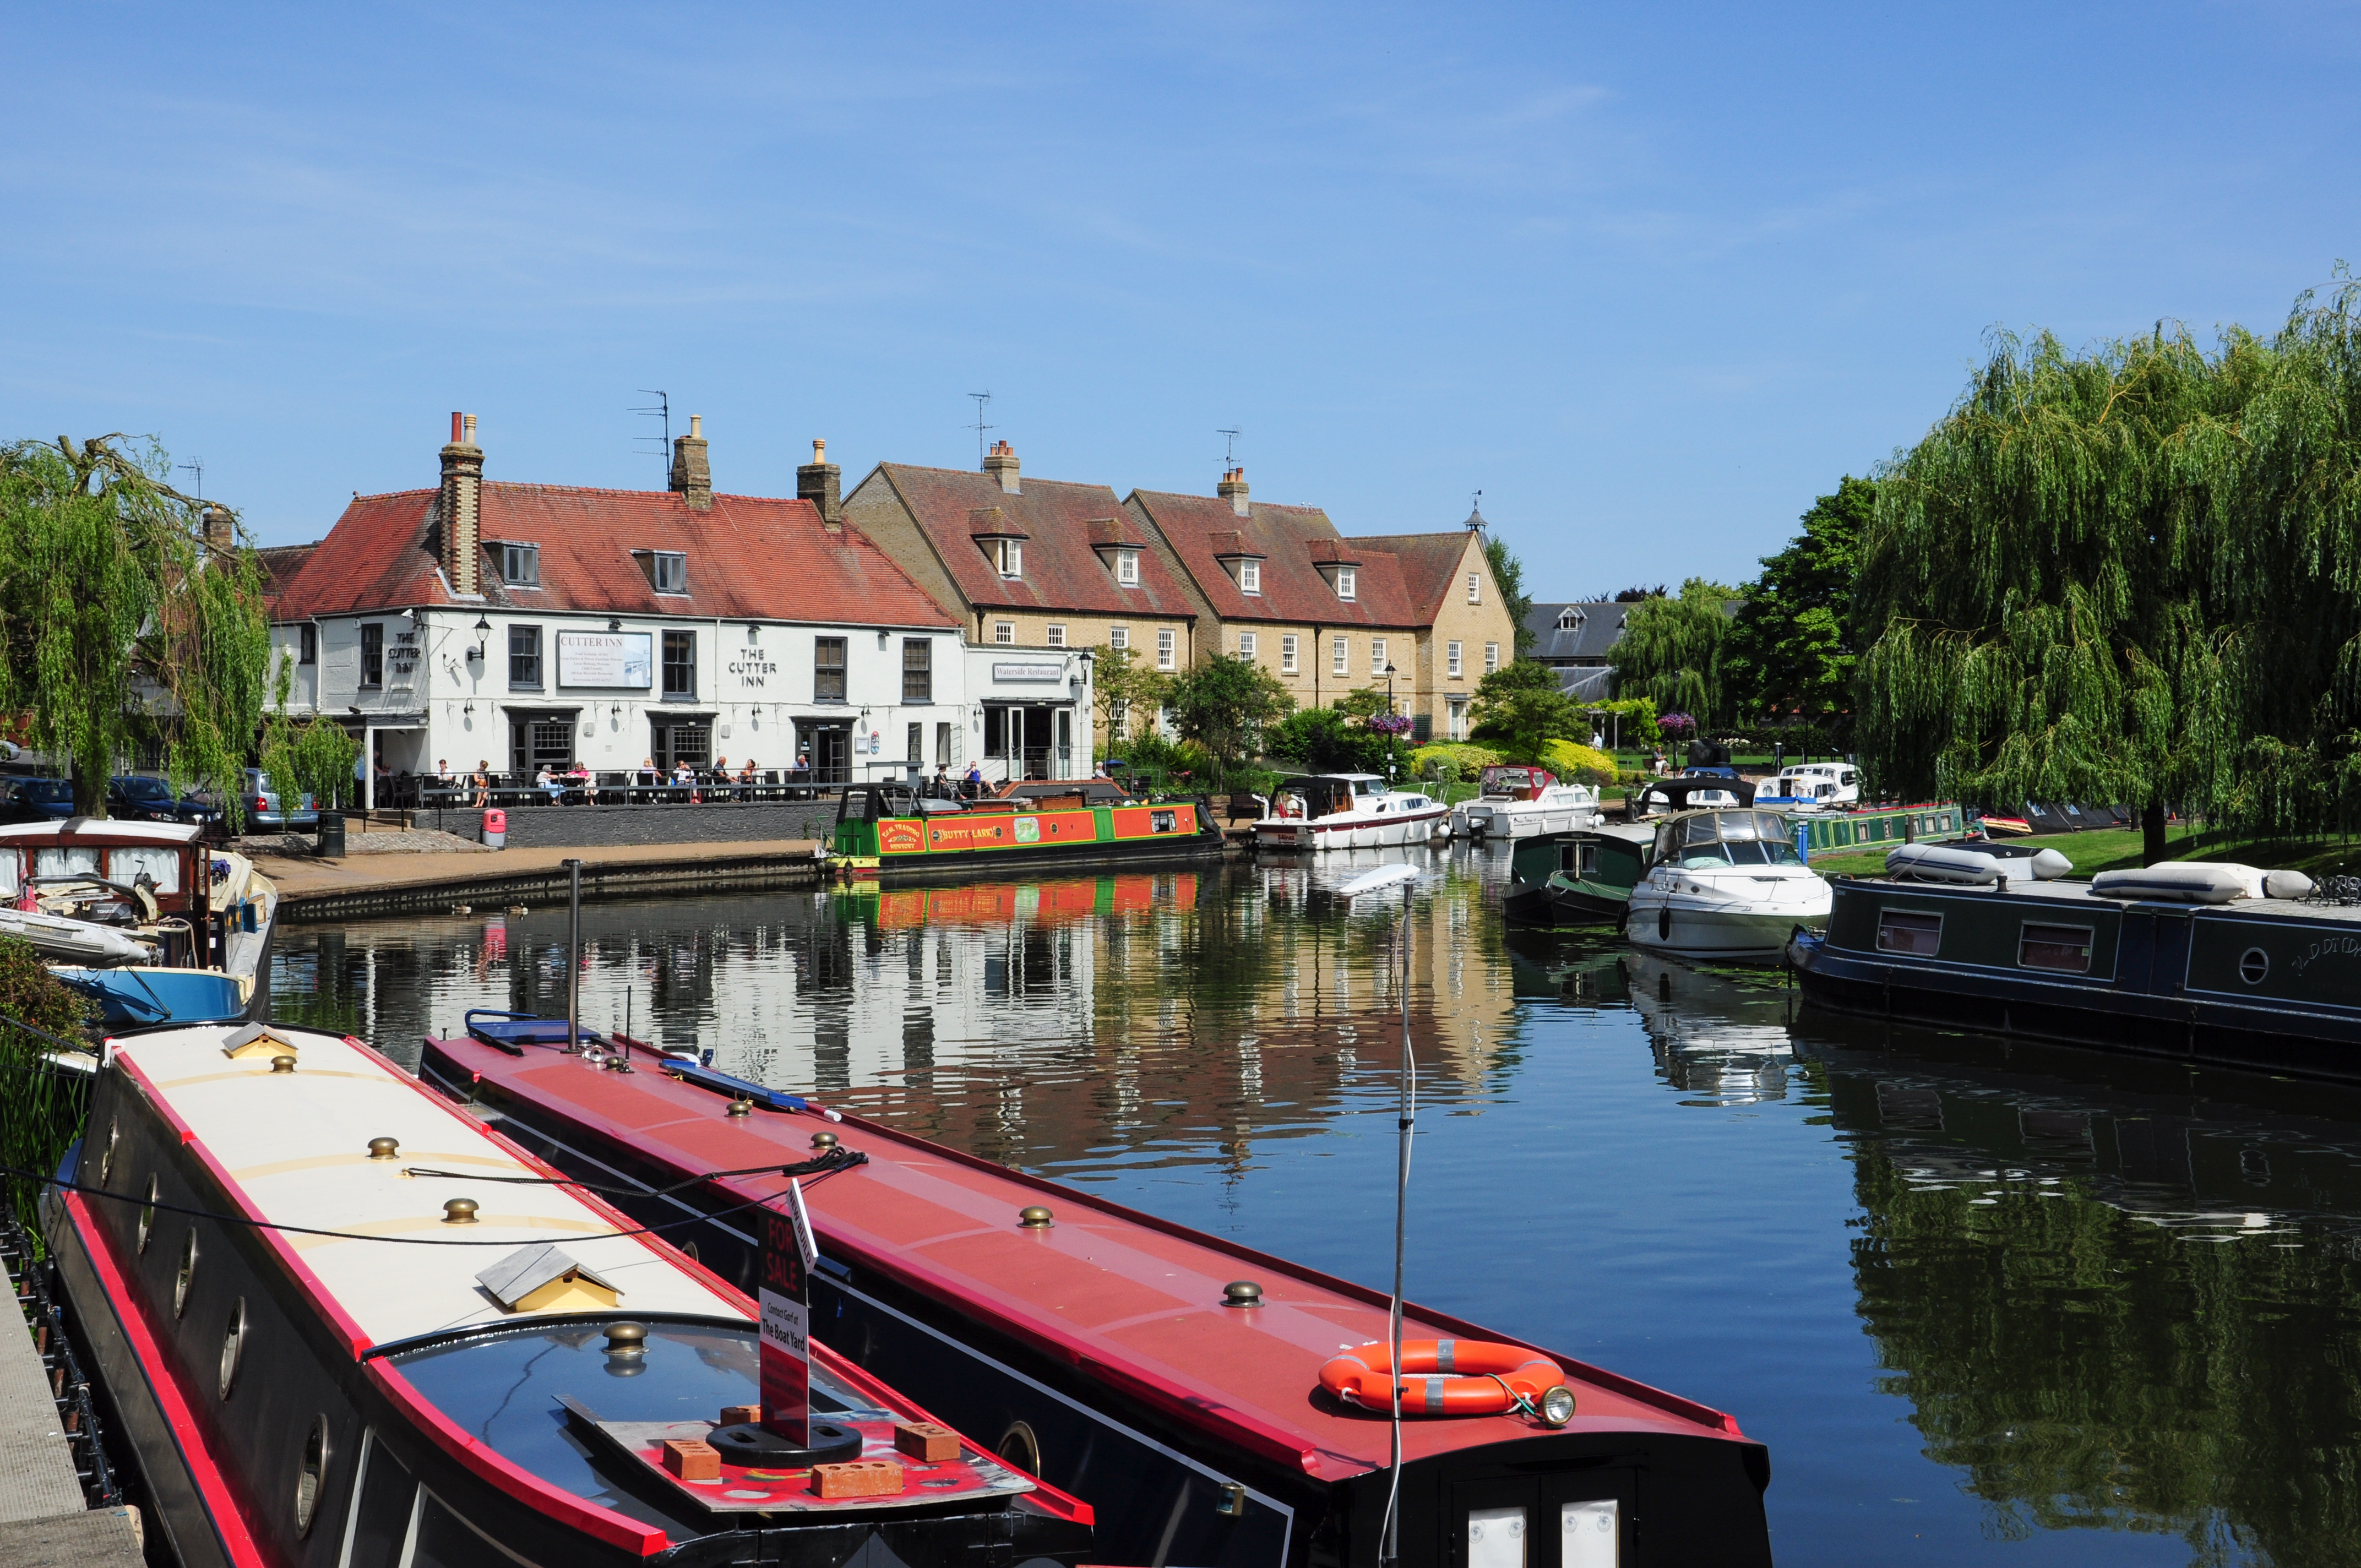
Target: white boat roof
100, 827
296, 1147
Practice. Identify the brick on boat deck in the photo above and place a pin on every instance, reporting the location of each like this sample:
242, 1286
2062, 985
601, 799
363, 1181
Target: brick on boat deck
926, 1441
692, 1461
37, 1471
857, 1478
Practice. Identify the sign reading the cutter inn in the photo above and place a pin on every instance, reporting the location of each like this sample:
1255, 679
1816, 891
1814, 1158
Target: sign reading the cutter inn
788, 1252
607, 659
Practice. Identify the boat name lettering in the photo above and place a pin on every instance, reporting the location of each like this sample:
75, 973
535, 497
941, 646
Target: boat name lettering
2326, 947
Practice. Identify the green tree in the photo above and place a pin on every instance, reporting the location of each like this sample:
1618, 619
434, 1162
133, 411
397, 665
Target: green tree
1323, 740
1225, 705
1672, 651
1795, 644
120, 622
39, 1116
1127, 694
1518, 706
1509, 576
314, 757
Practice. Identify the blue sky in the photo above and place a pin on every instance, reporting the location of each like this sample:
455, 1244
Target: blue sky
1651, 279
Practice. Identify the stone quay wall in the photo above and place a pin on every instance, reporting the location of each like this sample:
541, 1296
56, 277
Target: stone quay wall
609, 827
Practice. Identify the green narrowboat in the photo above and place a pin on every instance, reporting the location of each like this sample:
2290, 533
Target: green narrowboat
1576, 878
903, 833
2267, 983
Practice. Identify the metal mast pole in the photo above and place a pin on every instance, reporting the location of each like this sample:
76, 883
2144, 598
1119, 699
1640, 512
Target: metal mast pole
574, 955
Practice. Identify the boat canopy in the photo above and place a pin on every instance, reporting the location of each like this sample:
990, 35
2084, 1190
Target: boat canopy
1702, 841
1673, 794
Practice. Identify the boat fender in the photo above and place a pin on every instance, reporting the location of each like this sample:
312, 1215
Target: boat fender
2182, 881
1444, 1378
2286, 885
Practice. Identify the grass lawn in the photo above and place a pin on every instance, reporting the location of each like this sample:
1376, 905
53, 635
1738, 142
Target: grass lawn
2115, 848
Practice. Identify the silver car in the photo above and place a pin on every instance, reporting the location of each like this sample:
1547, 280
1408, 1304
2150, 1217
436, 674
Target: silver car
263, 807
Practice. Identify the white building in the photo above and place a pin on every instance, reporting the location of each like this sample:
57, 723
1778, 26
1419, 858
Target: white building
516, 626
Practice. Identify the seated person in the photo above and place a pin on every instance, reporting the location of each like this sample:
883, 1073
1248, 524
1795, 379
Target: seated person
549, 785
483, 783
647, 774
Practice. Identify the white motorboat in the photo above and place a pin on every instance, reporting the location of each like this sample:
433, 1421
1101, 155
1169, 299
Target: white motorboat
1347, 811
1517, 801
1725, 884
1813, 784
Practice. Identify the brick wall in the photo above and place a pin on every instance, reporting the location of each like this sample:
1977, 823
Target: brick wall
606, 827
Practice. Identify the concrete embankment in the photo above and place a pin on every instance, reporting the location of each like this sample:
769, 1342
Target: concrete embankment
46, 1520
405, 884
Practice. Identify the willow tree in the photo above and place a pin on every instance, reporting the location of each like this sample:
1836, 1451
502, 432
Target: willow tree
2130, 575
1672, 649
121, 621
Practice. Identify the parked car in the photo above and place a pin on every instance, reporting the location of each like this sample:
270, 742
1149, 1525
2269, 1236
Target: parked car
135, 797
36, 800
263, 812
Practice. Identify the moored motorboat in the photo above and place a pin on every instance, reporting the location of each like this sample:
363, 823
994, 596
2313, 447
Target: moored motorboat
1515, 802
143, 917
2194, 960
343, 1322
1347, 811
1724, 884
1574, 877
1182, 1383
1687, 792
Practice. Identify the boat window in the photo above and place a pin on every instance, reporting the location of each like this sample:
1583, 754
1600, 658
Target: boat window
65, 861
1704, 856
382, 1525
11, 863
1738, 829
1748, 853
1699, 830
1168, 822
1908, 931
1779, 852
2065, 948
162, 864
446, 1540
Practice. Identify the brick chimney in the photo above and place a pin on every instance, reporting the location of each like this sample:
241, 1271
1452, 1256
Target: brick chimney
221, 530
1233, 489
821, 483
1002, 462
692, 476
462, 508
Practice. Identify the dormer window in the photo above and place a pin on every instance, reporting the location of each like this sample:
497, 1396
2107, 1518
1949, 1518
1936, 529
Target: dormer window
1346, 584
665, 570
1009, 557
520, 564
1127, 567
1250, 576
1569, 619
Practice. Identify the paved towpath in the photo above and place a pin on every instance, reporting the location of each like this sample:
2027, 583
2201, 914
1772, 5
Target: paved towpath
358, 883
43, 1519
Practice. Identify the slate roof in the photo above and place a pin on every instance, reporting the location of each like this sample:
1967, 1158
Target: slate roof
752, 557
1601, 629
1201, 527
1430, 566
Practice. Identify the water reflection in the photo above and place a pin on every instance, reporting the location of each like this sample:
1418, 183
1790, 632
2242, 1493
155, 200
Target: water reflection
1983, 1300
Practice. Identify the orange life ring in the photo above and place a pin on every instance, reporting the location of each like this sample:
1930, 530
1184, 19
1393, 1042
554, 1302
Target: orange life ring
1444, 1377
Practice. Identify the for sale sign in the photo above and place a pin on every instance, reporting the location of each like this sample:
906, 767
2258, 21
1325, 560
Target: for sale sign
788, 1252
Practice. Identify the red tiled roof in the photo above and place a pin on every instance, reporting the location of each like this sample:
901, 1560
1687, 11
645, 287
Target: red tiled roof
279, 564
1062, 572
752, 557
1200, 528
1429, 565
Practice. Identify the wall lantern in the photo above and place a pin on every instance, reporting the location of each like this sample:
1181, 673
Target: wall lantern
614, 623
483, 636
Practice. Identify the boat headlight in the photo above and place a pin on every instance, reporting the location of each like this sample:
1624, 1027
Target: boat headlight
1557, 1406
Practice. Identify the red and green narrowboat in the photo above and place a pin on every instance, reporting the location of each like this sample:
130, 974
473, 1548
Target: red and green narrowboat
901, 833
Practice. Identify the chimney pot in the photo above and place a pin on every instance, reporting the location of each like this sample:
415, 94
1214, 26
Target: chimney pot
821, 483
697, 425
1002, 464
1233, 489
458, 426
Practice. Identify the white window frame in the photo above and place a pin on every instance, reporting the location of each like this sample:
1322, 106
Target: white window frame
1008, 555
1056, 634
1246, 646
1474, 587
1347, 582
1452, 652
1165, 638
1127, 567
1118, 636
1491, 657
1250, 576
1377, 655
1287, 654
1004, 633
1340, 659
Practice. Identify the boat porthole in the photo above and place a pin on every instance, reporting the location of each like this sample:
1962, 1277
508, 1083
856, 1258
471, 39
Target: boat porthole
148, 1215
2253, 966
688, 1250
106, 1155
182, 1280
311, 1479
233, 1346
1020, 1447
1664, 923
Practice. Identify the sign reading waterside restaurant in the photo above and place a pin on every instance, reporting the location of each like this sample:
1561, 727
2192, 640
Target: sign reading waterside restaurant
606, 659
1037, 670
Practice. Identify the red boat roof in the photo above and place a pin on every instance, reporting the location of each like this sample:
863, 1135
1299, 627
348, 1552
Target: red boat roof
1134, 1300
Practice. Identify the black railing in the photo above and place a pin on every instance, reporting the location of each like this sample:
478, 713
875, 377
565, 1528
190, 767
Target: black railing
469, 792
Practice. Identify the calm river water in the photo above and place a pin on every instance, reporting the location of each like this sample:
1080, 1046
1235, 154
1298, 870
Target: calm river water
1986, 1303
